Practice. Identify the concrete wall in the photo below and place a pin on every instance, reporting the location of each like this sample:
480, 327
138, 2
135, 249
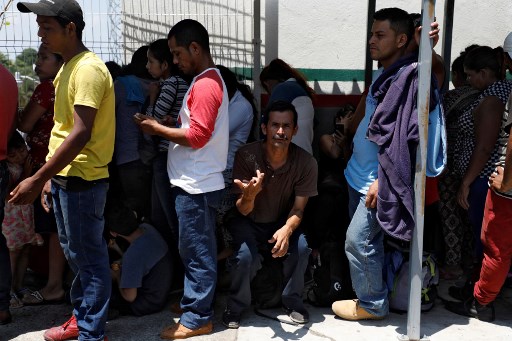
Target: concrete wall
331, 34
326, 39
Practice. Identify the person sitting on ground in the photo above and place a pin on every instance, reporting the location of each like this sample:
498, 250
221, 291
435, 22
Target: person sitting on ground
274, 179
143, 276
285, 83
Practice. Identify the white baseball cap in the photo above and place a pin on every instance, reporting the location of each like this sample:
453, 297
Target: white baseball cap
507, 45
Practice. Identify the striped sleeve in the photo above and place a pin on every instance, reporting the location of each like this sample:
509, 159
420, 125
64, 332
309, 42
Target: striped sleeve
165, 100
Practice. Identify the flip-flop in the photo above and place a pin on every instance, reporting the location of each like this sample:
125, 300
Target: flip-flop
35, 298
15, 302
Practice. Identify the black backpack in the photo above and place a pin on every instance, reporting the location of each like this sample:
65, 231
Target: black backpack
267, 286
330, 282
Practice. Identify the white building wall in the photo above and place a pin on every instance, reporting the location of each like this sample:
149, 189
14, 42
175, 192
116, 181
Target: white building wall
324, 38
331, 34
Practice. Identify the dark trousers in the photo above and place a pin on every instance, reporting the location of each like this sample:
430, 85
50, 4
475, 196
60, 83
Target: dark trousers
249, 240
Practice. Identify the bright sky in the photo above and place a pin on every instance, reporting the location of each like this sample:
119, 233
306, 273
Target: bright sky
20, 29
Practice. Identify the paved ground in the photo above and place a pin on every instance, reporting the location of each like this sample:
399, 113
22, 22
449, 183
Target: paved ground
31, 322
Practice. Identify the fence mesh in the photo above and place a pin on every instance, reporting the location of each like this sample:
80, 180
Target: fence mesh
116, 28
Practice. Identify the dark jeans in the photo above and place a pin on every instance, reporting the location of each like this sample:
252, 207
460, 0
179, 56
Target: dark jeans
195, 218
248, 239
5, 262
80, 223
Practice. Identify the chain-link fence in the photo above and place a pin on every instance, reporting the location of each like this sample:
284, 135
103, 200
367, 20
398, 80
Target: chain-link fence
116, 28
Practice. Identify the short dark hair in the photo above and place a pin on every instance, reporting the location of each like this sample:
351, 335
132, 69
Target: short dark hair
279, 106
160, 50
16, 141
63, 22
399, 20
187, 31
120, 219
416, 19
484, 57
137, 66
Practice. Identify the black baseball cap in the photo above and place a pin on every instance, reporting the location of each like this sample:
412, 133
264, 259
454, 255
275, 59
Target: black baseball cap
65, 9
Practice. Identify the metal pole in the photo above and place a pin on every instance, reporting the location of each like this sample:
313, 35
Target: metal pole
256, 41
416, 253
447, 38
271, 30
368, 68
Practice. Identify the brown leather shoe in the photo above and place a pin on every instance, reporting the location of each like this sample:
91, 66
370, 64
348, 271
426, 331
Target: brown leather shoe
179, 331
350, 310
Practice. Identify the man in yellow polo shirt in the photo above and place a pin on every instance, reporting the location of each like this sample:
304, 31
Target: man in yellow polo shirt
81, 146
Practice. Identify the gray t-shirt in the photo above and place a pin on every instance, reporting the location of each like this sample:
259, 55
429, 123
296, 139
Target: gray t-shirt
147, 267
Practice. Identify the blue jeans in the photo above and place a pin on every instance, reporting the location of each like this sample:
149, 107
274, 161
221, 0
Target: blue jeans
5, 262
161, 201
364, 247
248, 239
195, 218
80, 223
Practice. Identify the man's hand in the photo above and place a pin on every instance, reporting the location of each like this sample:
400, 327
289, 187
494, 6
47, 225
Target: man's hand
496, 179
146, 123
371, 196
251, 188
169, 121
46, 196
281, 238
26, 192
433, 33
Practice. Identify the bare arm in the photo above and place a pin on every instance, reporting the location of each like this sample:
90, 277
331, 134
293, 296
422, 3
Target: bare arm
29, 189
151, 126
129, 294
353, 122
487, 128
250, 189
332, 144
29, 116
281, 237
